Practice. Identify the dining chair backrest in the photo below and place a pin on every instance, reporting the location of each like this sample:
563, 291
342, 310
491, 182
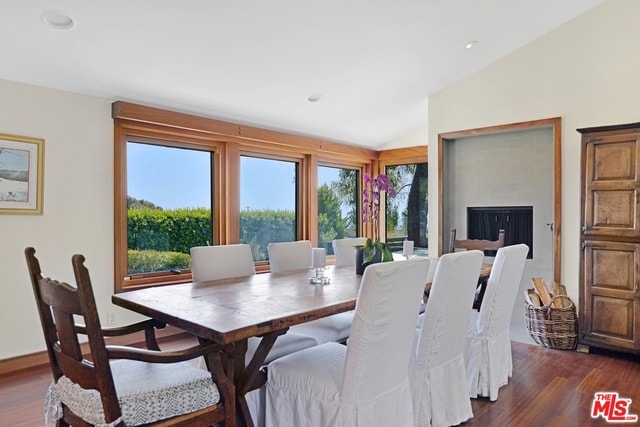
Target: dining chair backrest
502, 288
475, 244
345, 251
448, 309
221, 262
439, 382
287, 256
382, 333
487, 353
365, 383
59, 304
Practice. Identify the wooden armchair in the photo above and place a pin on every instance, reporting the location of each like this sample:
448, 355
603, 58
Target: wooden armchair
153, 387
482, 245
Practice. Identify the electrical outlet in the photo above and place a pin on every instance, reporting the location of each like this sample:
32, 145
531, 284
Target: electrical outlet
111, 318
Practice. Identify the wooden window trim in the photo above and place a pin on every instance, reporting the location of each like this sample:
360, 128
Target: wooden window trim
229, 141
398, 156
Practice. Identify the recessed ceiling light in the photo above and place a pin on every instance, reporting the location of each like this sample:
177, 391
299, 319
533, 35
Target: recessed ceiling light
314, 97
471, 44
58, 20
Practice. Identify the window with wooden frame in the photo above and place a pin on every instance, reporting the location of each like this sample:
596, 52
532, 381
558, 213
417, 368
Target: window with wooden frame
269, 194
406, 215
225, 154
167, 198
338, 203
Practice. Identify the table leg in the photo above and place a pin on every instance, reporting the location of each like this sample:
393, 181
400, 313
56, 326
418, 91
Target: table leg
249, 377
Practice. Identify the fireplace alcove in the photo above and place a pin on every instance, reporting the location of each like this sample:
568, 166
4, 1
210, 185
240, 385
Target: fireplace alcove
517, 222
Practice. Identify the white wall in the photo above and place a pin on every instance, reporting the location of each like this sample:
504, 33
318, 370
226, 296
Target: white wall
78, 205
417, 137
587, 72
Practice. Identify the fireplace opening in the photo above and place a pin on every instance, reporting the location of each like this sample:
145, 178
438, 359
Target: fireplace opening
516, 221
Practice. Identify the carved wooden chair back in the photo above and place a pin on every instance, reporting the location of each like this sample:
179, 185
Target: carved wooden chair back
475, 244
58, 303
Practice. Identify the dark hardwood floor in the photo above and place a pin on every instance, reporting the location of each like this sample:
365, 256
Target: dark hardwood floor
549, 388
556, 388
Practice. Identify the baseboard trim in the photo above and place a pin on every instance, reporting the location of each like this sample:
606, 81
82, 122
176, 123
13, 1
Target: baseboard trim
18, 364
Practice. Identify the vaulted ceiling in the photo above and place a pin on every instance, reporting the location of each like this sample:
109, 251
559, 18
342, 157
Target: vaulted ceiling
370, 64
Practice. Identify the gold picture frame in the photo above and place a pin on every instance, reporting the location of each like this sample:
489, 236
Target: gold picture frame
21, 174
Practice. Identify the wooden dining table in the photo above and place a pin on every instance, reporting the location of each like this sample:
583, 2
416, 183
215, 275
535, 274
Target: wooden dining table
231, 311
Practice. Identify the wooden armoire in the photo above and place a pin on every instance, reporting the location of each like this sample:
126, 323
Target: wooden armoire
609, 313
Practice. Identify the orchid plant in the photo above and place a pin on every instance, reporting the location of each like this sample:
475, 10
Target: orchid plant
371, 191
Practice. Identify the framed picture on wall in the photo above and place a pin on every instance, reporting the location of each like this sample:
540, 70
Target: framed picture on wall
21, 174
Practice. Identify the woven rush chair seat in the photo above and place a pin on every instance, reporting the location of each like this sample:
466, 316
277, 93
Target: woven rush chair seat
146, 392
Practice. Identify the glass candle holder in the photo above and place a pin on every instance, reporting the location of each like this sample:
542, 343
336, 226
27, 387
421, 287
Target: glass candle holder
407, 248
318, 264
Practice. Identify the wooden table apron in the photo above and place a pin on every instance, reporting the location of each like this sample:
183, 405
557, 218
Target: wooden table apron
230, 311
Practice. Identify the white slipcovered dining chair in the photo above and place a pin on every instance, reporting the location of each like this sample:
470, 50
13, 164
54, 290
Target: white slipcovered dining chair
221, 262
438, 378
488, 345
288, 256
229, 261
367, 382
345, 251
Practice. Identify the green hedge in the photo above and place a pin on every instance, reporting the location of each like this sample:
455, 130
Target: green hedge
146, 261
259, 227
177, 231
169, 230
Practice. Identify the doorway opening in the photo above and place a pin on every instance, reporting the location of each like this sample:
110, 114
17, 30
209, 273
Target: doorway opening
507, 165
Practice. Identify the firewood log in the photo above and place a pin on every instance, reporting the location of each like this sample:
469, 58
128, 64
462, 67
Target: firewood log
541, 289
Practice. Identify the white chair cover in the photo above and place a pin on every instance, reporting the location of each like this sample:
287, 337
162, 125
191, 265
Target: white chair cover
345, 251
221, 262
438, 378
228, 261
488, 345
433, 263
335, 328
365, 383
287, 256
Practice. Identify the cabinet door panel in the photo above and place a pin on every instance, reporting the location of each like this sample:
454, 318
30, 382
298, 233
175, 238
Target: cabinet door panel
611, 186
608, 299
612, 318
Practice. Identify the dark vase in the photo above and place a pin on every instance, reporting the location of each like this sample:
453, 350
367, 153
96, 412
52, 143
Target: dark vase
360, 266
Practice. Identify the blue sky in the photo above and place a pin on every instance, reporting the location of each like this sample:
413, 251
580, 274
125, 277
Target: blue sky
14, 159
174, 177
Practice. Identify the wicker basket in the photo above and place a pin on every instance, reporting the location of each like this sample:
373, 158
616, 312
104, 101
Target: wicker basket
552, 327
